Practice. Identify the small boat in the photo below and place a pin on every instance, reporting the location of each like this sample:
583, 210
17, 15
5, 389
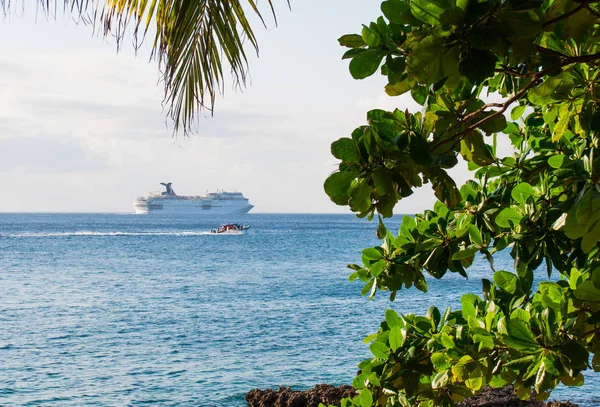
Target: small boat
231, 228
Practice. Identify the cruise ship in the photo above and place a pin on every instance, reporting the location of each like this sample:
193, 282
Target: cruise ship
215, 203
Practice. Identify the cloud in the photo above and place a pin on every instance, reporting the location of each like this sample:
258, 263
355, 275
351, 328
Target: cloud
61, 154
85, 127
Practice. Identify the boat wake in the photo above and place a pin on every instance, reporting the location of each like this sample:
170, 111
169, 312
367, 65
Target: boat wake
84, 233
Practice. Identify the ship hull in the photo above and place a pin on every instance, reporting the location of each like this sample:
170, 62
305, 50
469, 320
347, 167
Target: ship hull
191, 207
215, 203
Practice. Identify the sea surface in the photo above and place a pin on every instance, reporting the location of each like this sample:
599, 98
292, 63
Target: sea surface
126, 310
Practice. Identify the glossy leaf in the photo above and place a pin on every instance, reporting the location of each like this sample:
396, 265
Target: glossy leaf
428, 11
509, 282
508, 218
523, 192
366, 63
520, 336
352, 41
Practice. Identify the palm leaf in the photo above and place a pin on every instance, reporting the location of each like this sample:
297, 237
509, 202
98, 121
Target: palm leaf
194, 41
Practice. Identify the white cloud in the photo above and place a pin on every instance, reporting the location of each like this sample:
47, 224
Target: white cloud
62, 154
84, 127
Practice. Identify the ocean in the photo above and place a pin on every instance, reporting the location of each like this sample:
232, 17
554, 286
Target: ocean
126, 310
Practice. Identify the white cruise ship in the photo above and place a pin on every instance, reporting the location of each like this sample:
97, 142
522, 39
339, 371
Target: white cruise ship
215, 203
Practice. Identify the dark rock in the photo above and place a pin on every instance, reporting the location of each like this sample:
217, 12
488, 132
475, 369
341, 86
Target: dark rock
286, 397
329, 395
506, 397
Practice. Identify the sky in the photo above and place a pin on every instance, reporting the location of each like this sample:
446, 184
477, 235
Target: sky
82, 127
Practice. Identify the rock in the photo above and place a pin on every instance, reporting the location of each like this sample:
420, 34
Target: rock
506, 397
286, 397
329, 395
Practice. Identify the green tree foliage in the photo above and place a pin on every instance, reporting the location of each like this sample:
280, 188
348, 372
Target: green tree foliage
542, 204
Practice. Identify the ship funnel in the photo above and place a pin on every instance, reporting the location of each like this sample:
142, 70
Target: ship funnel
169, 190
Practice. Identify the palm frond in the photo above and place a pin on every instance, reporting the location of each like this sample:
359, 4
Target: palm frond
195, 41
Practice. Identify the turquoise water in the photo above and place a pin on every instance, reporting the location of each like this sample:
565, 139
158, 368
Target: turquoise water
116, 310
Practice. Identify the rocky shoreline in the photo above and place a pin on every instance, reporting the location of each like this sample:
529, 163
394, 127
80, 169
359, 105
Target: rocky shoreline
330, 395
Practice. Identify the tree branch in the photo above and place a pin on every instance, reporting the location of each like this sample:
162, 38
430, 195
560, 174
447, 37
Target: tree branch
591, 10
592, 332
570, 13
503, 106
515, 73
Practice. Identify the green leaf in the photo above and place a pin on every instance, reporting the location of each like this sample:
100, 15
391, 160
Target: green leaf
475, 235
345, 149
550, 40
428, 11
447, 341
521, 314
337, 186
578, 25
378, 267
366, 63
396, 67
352, 41
392, 318
383, 179
578, 356
495, 124
585, 208
517, 112
463, 368
542, 94
551, 365
596, 277
508, 218
368, 287
445, 188
557, 161
475, 380
419, 150
360, 196
474, 149
426, 60
468, 302
400, 88
520, 336
370, 254
522, 192
365, 398
440, 361
419, 94
396, 338
452, 16
509, 282
562, 126
524, 23
590, 239
469, 252
379, 350
478, 65
523, 392
381, 229
572, 381
370, 37
394, 10
586, 291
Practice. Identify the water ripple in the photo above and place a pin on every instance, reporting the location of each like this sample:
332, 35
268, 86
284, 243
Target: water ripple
106, 310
